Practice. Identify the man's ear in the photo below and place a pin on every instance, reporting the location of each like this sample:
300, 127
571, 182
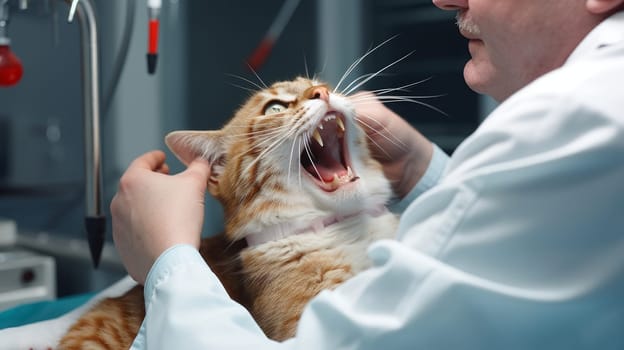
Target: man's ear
601, 7
189, 145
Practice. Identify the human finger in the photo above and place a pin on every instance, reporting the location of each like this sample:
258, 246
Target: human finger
164, 169
152, 160
198, 168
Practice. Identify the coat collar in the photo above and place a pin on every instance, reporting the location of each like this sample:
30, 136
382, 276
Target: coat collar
608, 33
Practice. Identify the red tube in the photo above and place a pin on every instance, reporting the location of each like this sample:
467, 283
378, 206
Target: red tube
260, 54
152, 46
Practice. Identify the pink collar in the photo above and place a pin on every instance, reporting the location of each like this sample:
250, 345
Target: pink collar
284, 230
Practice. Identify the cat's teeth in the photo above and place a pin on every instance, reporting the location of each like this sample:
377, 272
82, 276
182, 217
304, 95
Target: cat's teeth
336, 181
317, 136
350, 175
340, 124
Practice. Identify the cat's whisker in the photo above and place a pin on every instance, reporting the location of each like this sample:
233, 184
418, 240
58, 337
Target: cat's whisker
350, 70
276, 137
379, 146
243, 87
266, 132
257, 76
265, 143
407, 86
394, 99
309, 154
389, 90
386, 90
305, 66
383, 132
324, 61
275, 142
358, 79
262, 133
364, 81
290, 159
358, 61
247, 81
264, 152
252, 132
269, 144
408, 98
300, 184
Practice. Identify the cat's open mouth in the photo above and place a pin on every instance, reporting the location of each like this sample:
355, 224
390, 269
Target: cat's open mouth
326, 158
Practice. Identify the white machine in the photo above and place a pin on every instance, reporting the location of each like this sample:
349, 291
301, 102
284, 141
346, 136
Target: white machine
25, 276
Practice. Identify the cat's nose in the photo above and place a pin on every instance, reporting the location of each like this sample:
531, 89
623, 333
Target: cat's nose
317, 92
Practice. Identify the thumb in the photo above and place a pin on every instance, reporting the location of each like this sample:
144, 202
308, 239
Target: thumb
199, 169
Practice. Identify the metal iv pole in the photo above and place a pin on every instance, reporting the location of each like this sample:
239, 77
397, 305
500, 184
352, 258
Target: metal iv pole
95, 220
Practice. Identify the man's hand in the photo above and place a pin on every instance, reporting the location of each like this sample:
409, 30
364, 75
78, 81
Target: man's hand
153, 211
403, 152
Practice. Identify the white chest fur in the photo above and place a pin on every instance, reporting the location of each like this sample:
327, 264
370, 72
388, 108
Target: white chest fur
347, 239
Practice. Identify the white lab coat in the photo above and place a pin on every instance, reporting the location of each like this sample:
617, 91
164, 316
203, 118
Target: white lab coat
518, 244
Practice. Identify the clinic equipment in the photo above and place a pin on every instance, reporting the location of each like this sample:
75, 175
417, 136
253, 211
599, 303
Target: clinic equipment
10, 66
26, 276
261, 53
94, 105
95, 220
153, 11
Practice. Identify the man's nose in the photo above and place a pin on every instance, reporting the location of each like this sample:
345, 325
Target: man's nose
451, 4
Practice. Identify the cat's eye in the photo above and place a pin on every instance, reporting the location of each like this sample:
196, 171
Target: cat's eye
274, 107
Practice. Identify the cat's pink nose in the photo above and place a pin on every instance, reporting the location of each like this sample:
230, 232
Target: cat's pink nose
318, 92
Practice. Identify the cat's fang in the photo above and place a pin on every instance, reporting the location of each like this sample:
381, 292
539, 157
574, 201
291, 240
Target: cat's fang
317, 136
340, 124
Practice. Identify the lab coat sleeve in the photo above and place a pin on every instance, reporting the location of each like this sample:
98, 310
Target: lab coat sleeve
188, 308
432, 176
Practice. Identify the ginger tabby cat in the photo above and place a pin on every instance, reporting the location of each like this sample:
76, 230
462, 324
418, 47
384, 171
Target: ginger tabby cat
302, 199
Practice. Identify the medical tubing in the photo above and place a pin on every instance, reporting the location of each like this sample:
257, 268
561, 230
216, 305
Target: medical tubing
120, 59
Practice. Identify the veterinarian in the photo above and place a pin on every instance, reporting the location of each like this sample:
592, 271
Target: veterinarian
514, 242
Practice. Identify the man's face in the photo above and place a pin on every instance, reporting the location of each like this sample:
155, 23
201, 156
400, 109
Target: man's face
512, 42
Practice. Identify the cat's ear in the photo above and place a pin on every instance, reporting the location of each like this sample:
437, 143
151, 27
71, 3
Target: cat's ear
189, 145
